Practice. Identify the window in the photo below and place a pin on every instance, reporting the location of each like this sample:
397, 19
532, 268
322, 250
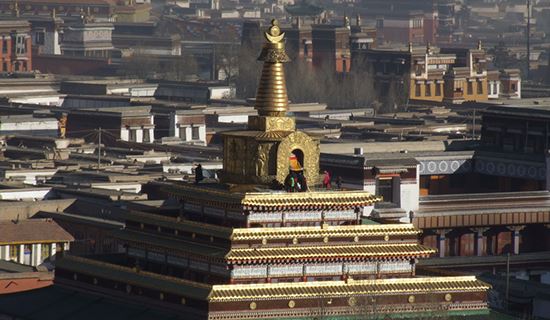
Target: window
146, 135
132, 135
514, 87
417, 90
385, 189
21, 45
438, 89
5, 46
479, 87
470, 87
428, 89
195, 133
14, 252
4, 67
39, 38
183, 133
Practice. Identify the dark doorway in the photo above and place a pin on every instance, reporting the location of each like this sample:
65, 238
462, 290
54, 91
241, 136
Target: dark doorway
385, 189
299, 154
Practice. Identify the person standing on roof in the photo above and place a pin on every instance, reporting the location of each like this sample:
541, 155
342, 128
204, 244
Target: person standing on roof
198, 174
326, 180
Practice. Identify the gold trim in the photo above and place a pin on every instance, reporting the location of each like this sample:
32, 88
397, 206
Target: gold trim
352, 231
365, 251
331, 289
36, 242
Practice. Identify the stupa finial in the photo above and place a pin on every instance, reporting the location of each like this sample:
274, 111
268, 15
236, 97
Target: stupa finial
272, 98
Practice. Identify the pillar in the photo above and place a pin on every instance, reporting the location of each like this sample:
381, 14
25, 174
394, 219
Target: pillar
516, 237
21, 257
53, 251
441, 243
5, 252
480, 241
36, 255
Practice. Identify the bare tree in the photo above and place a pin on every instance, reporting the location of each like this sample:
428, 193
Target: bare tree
226, 62
142, 65
249, 72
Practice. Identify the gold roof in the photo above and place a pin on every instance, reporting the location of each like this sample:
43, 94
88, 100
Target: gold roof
321, 252
245, 234
333, 289
274, 200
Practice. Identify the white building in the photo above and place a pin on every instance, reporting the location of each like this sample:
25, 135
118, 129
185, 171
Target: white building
28, 124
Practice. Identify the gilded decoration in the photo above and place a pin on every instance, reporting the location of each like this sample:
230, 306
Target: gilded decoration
299, 141
261, 158
263, 123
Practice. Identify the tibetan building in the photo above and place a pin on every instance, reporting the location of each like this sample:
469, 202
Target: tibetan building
264, 243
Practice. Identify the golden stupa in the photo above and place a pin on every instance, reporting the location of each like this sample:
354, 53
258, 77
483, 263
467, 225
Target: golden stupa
263, 152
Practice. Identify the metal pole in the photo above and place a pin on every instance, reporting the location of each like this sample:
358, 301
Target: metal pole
528, 38
99, 149
507, 277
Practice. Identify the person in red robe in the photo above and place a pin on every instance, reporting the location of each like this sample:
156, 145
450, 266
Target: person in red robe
326, 180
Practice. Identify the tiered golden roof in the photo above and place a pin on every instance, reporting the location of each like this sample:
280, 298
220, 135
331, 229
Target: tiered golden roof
320, 199
297, 290
360, 231
355, 251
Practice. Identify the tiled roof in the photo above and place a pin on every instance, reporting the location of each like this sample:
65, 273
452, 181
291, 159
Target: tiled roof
377, 251
321, 232
313, 199
296, 290
179, 224
131, 276
32, 231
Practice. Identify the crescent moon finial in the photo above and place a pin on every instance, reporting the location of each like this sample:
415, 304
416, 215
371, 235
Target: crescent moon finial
274, 34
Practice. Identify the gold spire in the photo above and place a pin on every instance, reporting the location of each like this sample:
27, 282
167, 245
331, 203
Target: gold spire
272, 98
